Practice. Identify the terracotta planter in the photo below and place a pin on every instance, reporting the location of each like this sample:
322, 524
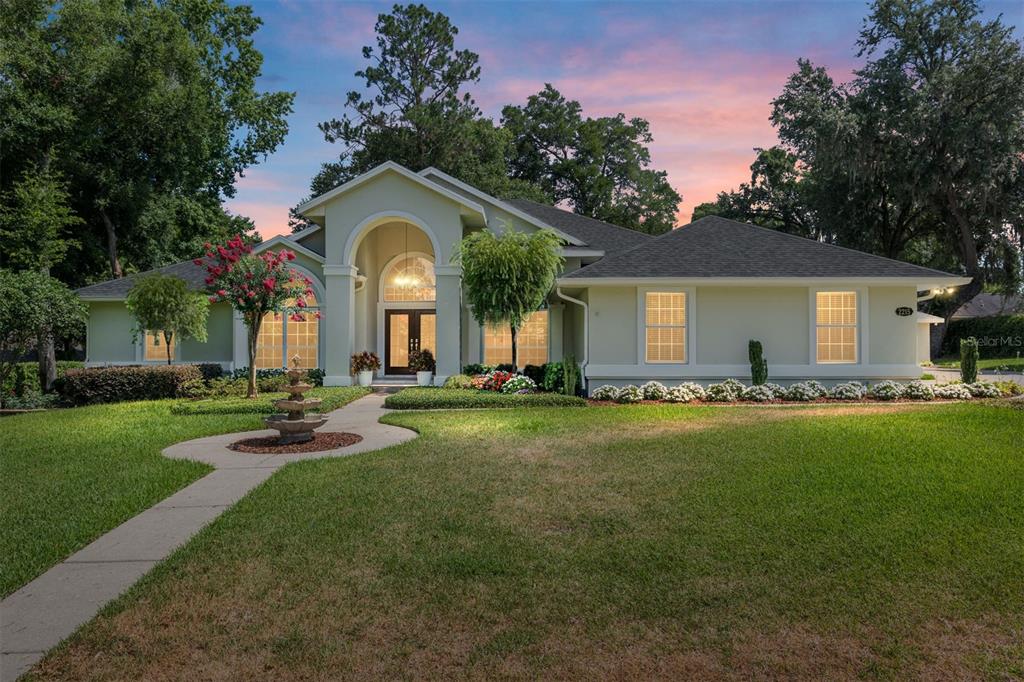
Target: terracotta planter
365, 378
424, 378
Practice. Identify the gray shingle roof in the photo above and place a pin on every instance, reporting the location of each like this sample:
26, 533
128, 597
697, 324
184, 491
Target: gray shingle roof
718, 247
596, 233
118, 288
987, 305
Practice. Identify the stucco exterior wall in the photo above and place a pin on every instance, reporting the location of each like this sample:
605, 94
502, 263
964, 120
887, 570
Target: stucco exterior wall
613, 330
218, 338
725, 319
892, 339
109, 334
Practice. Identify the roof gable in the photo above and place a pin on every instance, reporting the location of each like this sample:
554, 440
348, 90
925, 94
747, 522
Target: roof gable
722, 248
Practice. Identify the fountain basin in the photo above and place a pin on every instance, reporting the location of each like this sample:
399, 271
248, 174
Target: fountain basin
295, 430
297, 405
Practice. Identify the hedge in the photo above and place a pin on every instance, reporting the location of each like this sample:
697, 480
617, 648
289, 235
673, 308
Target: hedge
1001, 336
117, 384
31, 374
333, 398
456, 398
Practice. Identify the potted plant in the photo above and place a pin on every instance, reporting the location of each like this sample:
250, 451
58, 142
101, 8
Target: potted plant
422, 362
364, 365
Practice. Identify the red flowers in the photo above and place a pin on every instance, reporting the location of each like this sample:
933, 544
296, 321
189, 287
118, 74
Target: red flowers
269, 283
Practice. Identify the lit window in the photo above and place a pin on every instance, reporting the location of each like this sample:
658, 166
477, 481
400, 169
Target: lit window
410, 279
836, 326
531, 342
665, 326
156, 347
281, 338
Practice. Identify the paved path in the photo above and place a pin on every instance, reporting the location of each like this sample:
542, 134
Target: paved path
47, 610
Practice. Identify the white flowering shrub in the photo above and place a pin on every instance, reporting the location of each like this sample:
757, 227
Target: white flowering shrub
758, 394
984, 389
887, 390
803, 392
519, 384
851, 390
918, 390
778, 392
629, 394
721, 393
679, 394
653, 390
819, 389
694, 389
605, 393
953, 392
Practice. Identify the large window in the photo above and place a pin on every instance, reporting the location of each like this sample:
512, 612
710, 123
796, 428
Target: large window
281, 338
836, 326
410, 279
531, 342
665, 326
156, 347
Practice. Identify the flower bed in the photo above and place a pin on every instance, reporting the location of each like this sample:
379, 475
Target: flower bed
458, 398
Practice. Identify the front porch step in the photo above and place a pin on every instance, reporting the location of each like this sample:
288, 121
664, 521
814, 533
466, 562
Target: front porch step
392, 384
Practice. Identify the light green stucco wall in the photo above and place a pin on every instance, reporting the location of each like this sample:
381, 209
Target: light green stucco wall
725, 319
109, 333
892, 339
218, 338
613, 325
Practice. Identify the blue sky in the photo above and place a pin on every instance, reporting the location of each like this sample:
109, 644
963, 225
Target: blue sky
703, 74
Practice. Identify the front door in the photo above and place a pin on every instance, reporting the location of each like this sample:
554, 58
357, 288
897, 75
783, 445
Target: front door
406, 331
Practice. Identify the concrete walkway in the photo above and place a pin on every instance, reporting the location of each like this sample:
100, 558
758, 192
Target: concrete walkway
50, 608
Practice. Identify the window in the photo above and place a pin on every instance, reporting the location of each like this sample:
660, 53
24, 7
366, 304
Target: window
665, 326
156, 347
836, 326
531, 342
410, 279
281, 338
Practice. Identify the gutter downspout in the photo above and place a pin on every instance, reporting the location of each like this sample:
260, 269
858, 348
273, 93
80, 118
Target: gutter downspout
586, 332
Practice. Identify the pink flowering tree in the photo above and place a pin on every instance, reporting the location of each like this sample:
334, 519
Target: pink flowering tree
255, 285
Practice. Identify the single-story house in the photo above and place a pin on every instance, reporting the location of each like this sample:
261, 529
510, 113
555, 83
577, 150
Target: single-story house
630, 307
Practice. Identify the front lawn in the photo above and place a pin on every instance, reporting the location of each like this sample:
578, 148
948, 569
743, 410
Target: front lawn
68, 476
332, 398
1005, 364
461, 398
670, 541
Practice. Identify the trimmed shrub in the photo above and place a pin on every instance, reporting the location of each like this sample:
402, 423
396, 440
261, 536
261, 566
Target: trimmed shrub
520, 383
572, 376
535, 373
30, 375
605, 393
694, 389
969, 360
984, 389
918, 390
803, 392
727, 391
758, 364
887, 390
653, 390
758, 394
778, 391
679, 394
851, 390
333, 398
953, 392
475, 368
444, 398
459, 381
118, 384
553, 380
629, 394
1000, 336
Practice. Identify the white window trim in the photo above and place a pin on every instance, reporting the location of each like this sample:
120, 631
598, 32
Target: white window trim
690, 350
140, 351
483, 336
862, 325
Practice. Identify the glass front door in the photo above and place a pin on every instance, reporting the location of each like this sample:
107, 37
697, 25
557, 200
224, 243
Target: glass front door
406, 331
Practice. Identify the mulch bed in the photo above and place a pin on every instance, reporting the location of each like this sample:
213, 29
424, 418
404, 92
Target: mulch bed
321, 441
784, 403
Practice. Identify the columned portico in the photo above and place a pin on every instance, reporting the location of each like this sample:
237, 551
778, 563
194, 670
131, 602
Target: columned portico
340, 323
449, 320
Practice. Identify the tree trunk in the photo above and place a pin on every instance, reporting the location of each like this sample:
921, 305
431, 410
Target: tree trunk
47, 357
115, 263
254, 335
167, 344
968, 254
515, 351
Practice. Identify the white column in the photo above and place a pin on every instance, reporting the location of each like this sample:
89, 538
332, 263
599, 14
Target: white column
239, 341
339, 318
449, 320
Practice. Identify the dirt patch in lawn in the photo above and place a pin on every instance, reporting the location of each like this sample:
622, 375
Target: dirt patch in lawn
269, 445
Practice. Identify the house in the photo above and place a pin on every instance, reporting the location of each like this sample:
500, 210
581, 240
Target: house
630, 307
990, 305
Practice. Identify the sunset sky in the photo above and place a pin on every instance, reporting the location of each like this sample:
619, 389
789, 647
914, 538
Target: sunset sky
703, 74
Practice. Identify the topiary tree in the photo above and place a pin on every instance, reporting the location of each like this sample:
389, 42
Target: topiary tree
508, 277
969, 360
255, 285
758, 364
165, 304
34, 309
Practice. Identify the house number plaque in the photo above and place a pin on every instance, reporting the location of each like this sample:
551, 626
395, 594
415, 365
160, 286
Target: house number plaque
904, 311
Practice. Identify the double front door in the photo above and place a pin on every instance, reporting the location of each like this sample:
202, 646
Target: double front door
404, 332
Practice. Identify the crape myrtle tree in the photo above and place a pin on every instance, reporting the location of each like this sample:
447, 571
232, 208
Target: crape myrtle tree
164, 304
255, 285
507, 277
34, 308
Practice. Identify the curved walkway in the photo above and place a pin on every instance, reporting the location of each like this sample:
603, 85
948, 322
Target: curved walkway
41, 614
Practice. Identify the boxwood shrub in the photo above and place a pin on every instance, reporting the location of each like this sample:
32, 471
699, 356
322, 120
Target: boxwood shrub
454, 398
117, 384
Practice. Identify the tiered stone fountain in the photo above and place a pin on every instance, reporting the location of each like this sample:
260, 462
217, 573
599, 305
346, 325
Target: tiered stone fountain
296, 426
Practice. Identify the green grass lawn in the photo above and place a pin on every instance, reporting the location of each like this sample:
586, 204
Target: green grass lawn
1010, 364
68, 476
826, 542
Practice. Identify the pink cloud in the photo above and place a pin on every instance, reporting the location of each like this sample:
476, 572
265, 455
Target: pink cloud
271, 218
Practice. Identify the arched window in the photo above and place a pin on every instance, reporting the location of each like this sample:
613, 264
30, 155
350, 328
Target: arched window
281, 338
410, 279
